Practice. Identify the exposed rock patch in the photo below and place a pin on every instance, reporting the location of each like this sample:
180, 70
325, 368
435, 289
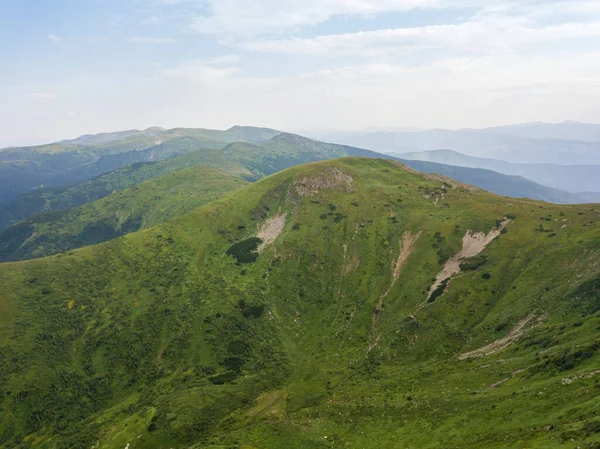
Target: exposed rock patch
503, 343
270, 230
472, 245
332, 179
570, 380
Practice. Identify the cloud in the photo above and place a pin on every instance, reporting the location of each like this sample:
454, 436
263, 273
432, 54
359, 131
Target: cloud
242, 19
43, 97
494, 62
264, 17
204, 70
450, 92
151, 40
483, 35
54, 38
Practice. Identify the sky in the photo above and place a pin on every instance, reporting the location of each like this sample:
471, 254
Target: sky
71, 67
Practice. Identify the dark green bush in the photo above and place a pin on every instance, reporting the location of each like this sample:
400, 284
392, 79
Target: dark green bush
245, 251
439, 291
473, 263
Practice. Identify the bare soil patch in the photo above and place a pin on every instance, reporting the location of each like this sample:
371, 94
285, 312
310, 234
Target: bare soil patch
270, 230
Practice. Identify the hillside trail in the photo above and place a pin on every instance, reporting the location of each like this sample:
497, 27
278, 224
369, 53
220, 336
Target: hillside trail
472, 245
407, 245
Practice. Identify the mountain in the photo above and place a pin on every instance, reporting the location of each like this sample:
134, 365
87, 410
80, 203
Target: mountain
146, 204
346, 303
233, 134
569, 130
63, 228
479, 143
248, 160
572, 178
255, 160
74, 161
63, 198
287, 150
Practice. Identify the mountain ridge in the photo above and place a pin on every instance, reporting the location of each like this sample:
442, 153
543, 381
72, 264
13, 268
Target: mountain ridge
58, 164
280, 152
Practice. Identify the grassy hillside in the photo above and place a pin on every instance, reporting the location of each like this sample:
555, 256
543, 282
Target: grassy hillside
146, 204
62, 198
287, 150
313, 309
74, 161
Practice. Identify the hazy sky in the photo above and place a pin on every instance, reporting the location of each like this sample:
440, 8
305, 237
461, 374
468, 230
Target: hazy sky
77, 66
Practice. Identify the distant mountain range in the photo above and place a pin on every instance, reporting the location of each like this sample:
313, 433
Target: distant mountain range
250, 160
572, 178
569, 130
77, 160
563, 144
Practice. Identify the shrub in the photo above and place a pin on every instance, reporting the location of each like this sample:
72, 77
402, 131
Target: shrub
592, 427
473, 263
439, 291
338, 217
245, 251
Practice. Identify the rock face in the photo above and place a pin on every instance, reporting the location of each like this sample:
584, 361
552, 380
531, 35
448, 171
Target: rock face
472, 245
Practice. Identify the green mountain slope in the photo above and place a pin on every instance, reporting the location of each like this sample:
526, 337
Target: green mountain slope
62, 198
70, 162
313, 309
287, 150
146, 204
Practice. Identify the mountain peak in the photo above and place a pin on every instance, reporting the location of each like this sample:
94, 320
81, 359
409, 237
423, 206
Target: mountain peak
289, 137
